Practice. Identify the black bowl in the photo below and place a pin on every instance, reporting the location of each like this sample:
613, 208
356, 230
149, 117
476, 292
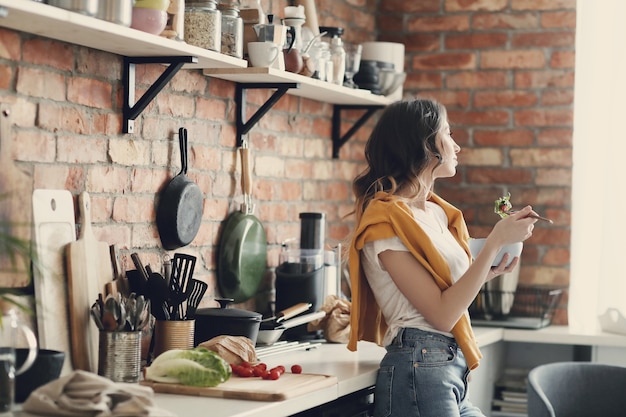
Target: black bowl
46, 368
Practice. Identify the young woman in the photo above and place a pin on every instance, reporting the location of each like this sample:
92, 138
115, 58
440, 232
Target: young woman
412, 276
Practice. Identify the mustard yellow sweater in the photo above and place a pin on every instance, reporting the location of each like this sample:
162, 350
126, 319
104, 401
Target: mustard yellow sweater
388, 216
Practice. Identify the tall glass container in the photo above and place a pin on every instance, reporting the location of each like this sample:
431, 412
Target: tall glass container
203, 24
232, 28
338, 56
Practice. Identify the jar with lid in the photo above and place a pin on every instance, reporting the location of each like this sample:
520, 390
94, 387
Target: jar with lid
203, 24
232, 28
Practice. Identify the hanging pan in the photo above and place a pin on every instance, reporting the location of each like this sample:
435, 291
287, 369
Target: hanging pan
179, 211
242, 255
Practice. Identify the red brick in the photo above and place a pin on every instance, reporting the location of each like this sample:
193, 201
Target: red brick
481, 157
487, 21
555, 137
557, 97
542, 4
6, 77
102, 179
544, 79
454, 6
479, 118
40, 83
452, 99
50, 53
563, 59
96, 64
540, 157
544, 117
476, 41
443, 61
477, 79
495, 175
421, 81
76, 149
553, 177
559, 39
510, 98
63, 118
10, 45
176, 105
453, 23
90, 92
132, 209
415, 42
36, 146
499, 137
557, 20
403, 6
517, 60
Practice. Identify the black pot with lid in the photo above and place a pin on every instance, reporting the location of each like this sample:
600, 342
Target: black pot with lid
224, 320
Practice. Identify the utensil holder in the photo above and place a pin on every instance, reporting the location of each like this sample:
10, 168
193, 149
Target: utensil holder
119, 356
173, 334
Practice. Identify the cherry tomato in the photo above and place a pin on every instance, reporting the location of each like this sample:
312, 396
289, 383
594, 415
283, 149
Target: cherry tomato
279, 368
245, 364
273, 374
296, 369
246, 372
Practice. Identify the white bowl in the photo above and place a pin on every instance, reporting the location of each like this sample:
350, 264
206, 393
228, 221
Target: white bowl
514, 249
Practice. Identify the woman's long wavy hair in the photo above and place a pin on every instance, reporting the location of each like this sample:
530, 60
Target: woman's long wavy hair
401, 146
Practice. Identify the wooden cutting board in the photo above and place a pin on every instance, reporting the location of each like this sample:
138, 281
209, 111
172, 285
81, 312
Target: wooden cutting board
89, 268
16, 186
257, 389
53, 230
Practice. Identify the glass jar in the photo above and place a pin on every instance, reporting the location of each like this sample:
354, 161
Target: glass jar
203, 24
338, 56
232, 28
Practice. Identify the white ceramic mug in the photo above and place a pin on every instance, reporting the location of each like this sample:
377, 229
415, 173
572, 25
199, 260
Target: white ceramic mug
9, 329
262, 54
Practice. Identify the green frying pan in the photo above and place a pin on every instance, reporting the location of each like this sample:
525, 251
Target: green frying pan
242, 255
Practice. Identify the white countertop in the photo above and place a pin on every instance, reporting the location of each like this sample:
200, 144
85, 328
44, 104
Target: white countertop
356, 371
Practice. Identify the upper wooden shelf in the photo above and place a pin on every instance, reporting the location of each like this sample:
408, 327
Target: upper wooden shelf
309, 87
63, 25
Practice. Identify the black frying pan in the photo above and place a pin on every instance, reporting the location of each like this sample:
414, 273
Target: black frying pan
179, 211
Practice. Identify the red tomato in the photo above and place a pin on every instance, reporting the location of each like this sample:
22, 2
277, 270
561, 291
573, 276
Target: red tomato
245, 364
246, 372
296, 369
273, 374
279, 368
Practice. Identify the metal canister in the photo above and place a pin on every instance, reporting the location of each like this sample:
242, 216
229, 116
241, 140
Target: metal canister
232, 28
173, 334
87, 7
119, 356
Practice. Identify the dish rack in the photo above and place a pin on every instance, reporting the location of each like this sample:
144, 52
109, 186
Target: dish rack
532, 307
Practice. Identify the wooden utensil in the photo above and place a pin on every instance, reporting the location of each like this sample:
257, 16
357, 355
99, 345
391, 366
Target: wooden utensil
89, 269
54, 229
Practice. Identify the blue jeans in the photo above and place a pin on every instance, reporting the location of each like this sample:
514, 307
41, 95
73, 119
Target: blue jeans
423, 374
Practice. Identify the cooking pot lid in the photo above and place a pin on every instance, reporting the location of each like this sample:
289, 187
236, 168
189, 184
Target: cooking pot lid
232, 313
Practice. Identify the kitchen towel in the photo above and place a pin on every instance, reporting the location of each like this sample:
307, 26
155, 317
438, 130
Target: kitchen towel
85, 394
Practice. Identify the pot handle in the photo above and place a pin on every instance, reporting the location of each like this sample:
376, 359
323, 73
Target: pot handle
182, 141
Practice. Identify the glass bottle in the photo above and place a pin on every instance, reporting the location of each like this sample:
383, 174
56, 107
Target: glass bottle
203, 24
232, 28
254, 4
338, 57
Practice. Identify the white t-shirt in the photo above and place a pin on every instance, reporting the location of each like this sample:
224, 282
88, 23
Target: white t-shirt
396, 309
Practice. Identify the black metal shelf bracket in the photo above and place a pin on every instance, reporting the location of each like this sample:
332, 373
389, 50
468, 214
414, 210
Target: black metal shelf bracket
133, 109
243, 127
338, 140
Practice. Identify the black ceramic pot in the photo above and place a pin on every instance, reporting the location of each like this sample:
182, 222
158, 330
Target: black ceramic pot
46, 368
217, 321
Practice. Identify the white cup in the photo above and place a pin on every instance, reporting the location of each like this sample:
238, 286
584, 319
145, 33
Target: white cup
262, 54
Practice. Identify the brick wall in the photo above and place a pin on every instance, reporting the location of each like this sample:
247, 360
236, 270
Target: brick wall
505, 71
503, 68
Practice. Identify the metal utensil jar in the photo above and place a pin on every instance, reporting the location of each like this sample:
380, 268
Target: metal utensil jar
87, 7
203, 24
232, 29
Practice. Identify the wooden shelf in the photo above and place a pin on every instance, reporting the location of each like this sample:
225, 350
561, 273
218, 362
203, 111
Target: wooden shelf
63, 25
309, 87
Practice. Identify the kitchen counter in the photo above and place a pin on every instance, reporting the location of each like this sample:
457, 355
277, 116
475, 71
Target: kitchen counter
357, 370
